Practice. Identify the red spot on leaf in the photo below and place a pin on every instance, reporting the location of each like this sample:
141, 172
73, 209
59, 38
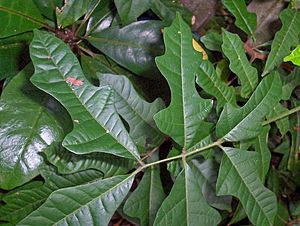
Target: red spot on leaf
74, 81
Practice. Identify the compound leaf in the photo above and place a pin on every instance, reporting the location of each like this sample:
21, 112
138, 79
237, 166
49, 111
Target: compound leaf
237, 124
183, 120
238, 176
97, 125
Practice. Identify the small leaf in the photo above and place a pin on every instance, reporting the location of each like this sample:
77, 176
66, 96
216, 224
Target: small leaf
185, 204
97, 125
184, 119
284, 39
144, 202
282, 124
212, 41
71, 12
95, 202
289, 83
18, 17
294, 56
133, 47
243, 19
238, 176
243, 123
233, 49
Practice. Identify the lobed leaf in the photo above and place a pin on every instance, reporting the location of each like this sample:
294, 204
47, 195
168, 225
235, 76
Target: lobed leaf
284, 39
184, 119
238, 176
233, 49
93, 204
97, 125
236, 124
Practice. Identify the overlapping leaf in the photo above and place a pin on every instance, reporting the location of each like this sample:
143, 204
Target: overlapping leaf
97, 125
185, 204
137, 112
284, 39
184, 119
237, 124
294, 56
238, 176
289, 83
243, 19
27, 127
283, 124
18, 17
233, 49
48, 7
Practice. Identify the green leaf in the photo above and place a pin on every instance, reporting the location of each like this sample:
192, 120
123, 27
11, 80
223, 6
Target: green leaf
95, 202
233, 49
238, 176
282, 124
24, 200
136, 111
212, 41
146, 199
243, 19
185, 204
48, 7
18, 17
133, 47
68, 162
184, 119
237, 124
57, 71
71, 12
130, 10
208, 79
27, 127
284, 39
289, 83
294, 56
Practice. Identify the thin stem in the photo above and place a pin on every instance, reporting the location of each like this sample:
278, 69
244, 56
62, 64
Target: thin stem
86, 50
149, 154
283, 115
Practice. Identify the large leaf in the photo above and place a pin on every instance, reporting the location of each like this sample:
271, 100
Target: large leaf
92, 204
294, 56
27, 127
71, 12
282, 124
133, 47
18, 17
208, 79
233, 49
238, 176
237, 124
97, 125
183, 120
284, 39
185, 204
68, 162
136, 111
48, 7
24, 200
130, 10
243, 19
144, 202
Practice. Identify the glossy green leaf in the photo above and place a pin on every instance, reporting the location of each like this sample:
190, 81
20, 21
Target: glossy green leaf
233, 49
18, 17
208, 79
130, 10
185, 204
137, 112
27, 127
68, 162
97, 125
264, 154
212, 41
24, 200
146, 199
243, 19
71, 11
294, 56
48, 7
238, 176
237, 124
284, 39
133, 47
93, 204
184, 119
